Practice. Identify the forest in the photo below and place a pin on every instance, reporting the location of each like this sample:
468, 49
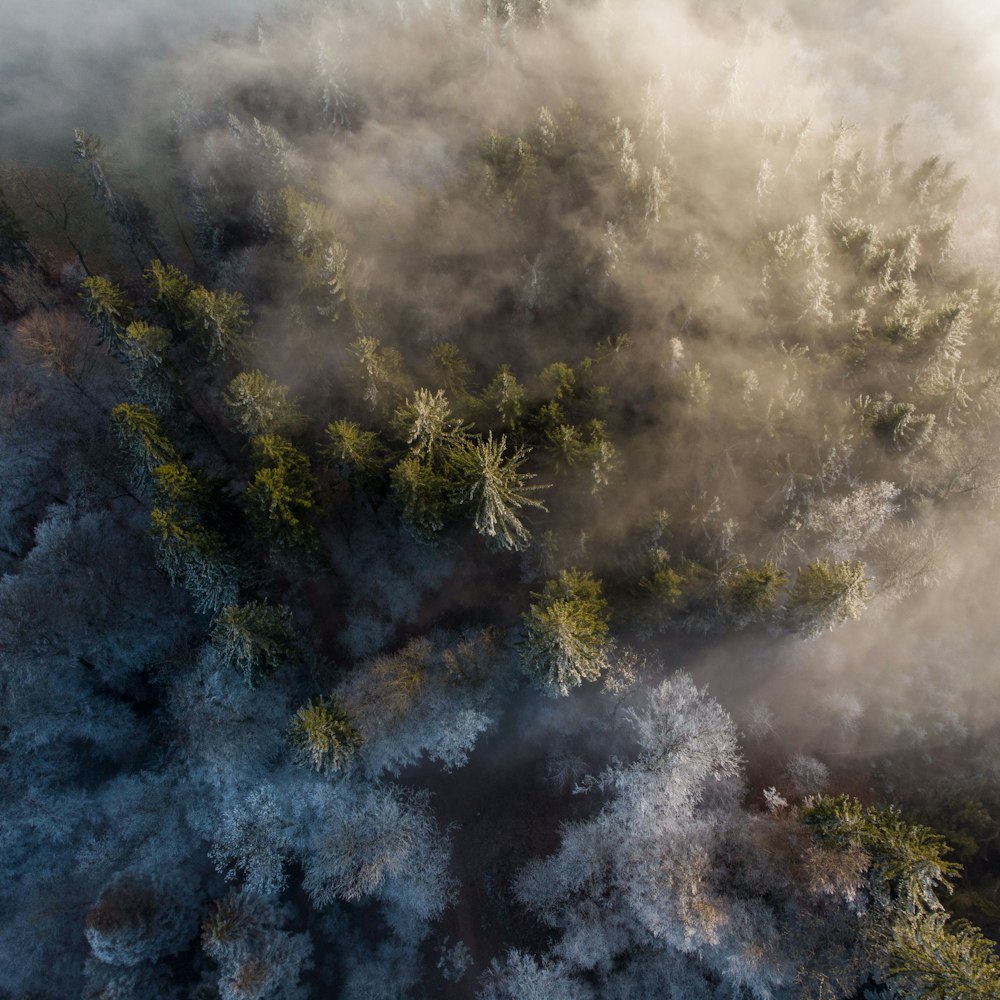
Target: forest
500, 502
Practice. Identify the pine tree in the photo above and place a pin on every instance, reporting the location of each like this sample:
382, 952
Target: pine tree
322, 734
254, 639
826, 594
751, 595
261, 405
425, 423
142, 436
565, 640
107, 309
281, 492
379, 371
422, 495
494, 488
169, 289
220, 320
355, 455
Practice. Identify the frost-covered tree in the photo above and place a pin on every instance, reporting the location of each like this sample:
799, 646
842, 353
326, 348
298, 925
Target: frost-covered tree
379, 841
425, 423
137, 920
494, 488
260, 405
258, 959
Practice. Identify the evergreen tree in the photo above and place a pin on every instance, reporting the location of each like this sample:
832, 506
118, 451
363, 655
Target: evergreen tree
379, 372
281, 492
422, 495
825, 594
113, 193
322, 735
494, 488
169, 289
355, 455
425, 423
254, 639
751, 595
107, 309
220, 320
261, 405
142, 436
565, 639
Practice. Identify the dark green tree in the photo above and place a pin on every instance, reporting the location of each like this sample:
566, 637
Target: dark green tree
255, 639
281, 493
220, 321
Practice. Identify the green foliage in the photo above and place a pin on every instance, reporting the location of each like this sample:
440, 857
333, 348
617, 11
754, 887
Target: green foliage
924, 953
508, 164
169, 289
826, 594
455, 372
379, 372
906, 861
323, 735
107, 309
191, 550
751, 595
565, 640
254, 639
145, 346
938, 960
194, 558
143, 438
281, 492
220, 321
260, 405
422, 495
355, 455
494, 488
503, 398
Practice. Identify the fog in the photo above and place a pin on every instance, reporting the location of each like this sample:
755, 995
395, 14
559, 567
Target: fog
721, 276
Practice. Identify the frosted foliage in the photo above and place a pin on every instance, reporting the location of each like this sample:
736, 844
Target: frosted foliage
681, 726
225, 735
847, 525
384, 593
642, 872
137, 920
257, 958
387, 972
253, 842
519, 976
374, 840
407, 705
